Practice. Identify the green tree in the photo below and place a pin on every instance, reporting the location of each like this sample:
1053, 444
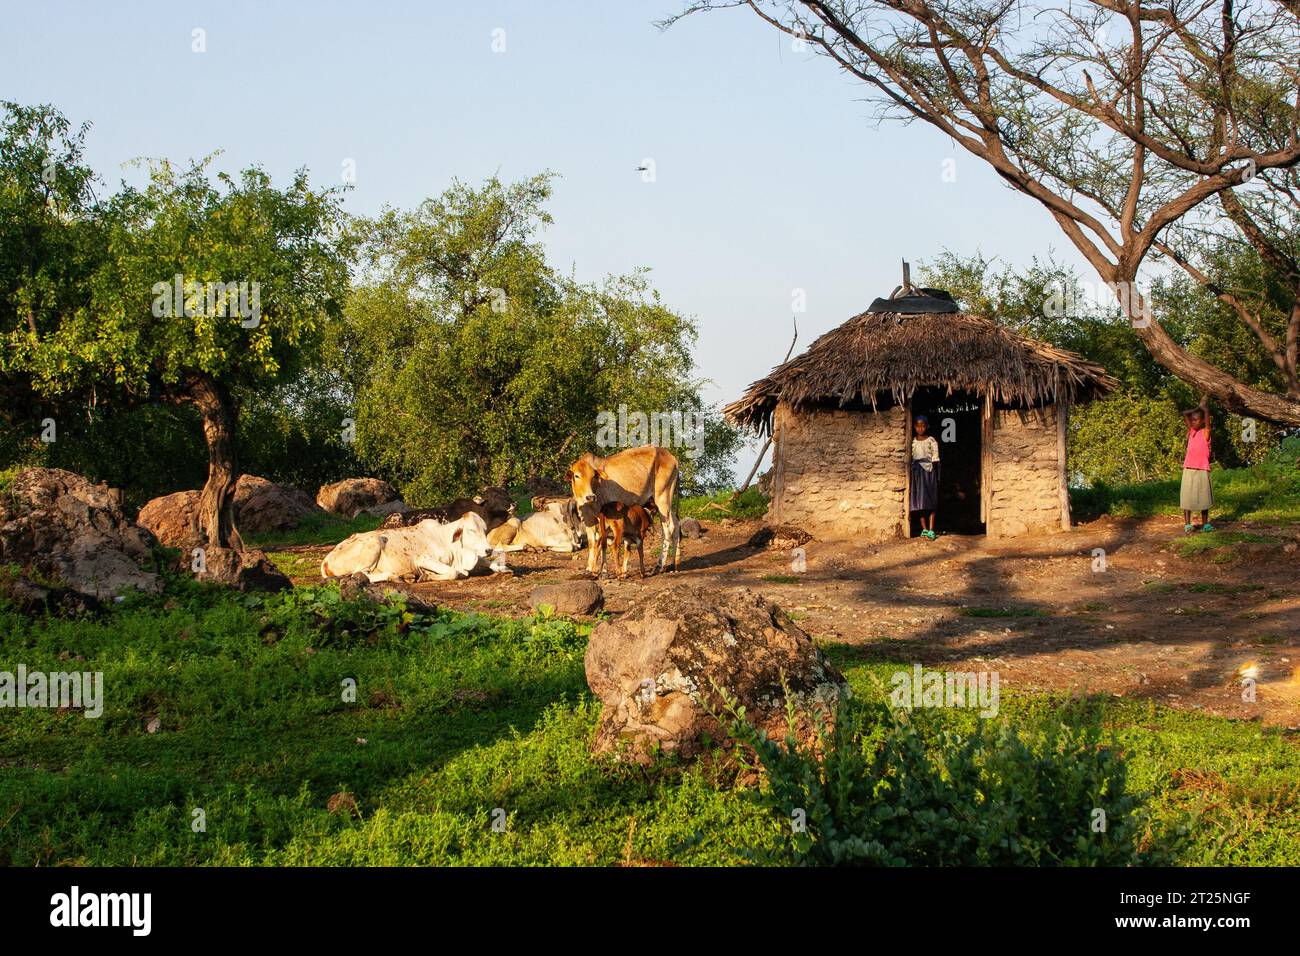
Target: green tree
472, 361
195, 289
50, 242
1137, 432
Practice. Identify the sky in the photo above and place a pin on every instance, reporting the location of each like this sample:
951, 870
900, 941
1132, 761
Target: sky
772, 176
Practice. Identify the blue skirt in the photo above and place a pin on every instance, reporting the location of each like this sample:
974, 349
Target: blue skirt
924, 495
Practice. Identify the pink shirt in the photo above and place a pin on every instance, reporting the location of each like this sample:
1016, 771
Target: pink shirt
1198, 450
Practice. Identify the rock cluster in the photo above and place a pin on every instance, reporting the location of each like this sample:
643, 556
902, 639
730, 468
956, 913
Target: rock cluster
67, 530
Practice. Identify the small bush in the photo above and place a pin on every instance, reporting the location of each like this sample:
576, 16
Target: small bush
751, 504
899, 789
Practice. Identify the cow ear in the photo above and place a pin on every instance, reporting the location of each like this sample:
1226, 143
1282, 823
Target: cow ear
568, 476
455, 535
595, 479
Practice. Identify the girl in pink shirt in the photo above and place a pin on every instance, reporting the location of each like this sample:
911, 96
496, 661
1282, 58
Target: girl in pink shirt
1196, 494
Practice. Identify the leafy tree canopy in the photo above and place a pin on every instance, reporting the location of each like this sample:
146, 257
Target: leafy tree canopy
474, 361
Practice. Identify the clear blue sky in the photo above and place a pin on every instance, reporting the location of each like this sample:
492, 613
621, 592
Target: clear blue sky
771, 174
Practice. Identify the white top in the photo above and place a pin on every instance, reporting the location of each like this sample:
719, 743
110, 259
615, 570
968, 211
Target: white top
925, 451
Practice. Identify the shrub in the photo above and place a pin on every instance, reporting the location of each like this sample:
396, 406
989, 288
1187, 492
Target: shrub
897, 789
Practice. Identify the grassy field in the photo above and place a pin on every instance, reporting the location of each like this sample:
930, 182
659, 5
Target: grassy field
237, 708
1266, 493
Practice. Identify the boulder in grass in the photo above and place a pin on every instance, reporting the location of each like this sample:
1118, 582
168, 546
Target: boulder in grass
262, 506
248, 570
569, 597
171, 519
34, 599
397, 507
662, 671
63, 528
351, 496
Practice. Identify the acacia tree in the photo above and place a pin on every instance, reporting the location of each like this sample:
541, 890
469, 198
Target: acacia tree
473, 361
1138, 125
199, 289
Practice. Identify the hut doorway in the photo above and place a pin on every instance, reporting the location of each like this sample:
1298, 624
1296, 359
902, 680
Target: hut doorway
956, 421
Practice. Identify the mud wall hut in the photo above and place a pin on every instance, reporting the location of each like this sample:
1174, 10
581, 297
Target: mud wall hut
840, 419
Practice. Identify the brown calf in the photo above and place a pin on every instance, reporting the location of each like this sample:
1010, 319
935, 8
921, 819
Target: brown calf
629, 524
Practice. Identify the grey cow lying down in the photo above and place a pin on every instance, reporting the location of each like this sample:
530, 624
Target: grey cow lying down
423, 552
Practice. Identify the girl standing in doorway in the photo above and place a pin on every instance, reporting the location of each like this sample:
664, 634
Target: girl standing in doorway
924, 495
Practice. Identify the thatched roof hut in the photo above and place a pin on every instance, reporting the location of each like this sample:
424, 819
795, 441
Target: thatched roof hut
841, 418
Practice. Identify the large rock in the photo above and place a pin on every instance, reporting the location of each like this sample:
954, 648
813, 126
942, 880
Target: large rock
61, 526
260, 506
569, 597
397, 507
351, 496
660, 668
248, 570
171, 519
34, 599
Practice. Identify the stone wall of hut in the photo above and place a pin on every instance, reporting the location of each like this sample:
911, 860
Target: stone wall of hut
839, 474
1024, 486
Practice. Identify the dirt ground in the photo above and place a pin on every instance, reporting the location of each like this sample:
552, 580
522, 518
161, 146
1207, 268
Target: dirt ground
1043, 612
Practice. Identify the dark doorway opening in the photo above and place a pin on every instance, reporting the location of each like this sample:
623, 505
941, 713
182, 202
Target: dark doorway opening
956, 422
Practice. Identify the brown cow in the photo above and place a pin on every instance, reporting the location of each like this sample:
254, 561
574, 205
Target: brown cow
637, 476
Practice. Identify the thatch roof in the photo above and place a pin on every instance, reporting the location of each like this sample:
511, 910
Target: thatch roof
881, 354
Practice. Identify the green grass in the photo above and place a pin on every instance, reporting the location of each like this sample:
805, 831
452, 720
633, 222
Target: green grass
317, 529
1208, 541
749, 505
1003, 612
462, 716
296, 564
1267, 493
1239, 782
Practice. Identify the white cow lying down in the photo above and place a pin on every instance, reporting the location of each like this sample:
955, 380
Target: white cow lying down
553, 527
424, 551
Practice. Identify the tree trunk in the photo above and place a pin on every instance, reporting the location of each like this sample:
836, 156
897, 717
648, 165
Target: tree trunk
1227, 391
216, 511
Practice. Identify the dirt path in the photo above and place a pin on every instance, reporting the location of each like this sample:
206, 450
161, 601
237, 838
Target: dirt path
1151, 624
